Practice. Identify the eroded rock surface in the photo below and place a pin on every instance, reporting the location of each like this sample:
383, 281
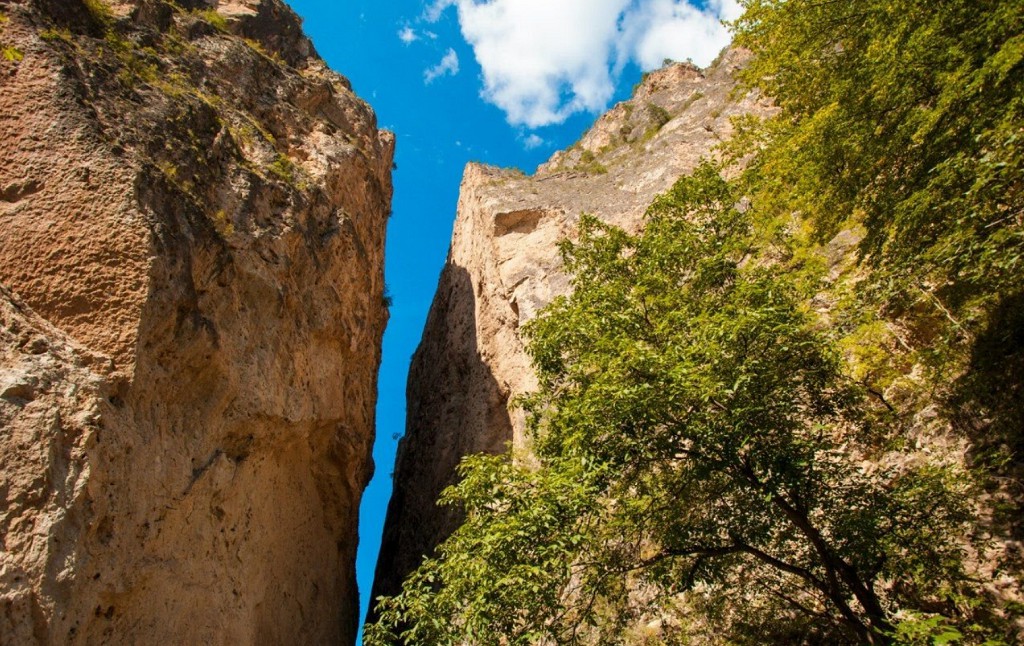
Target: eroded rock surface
192, 215
504, 265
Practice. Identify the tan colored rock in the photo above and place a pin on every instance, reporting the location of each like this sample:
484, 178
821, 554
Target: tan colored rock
504, 266
192, 230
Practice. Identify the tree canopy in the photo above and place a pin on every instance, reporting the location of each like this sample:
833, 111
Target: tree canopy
694, 437
905, 115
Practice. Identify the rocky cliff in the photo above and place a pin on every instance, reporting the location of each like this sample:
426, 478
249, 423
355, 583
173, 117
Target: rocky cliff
504, 265
192, 216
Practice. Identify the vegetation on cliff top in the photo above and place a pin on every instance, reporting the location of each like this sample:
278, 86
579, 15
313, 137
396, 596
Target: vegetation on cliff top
159, 59
737, 440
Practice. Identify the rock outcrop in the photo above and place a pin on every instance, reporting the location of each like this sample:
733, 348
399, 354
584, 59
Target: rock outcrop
192, 217
504, 265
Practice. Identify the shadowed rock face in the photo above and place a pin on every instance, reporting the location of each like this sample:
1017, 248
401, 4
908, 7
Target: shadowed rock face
192, 215
504, 266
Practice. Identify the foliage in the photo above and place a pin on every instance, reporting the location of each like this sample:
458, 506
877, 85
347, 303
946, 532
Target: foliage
55, 35
521, 526
258, 47
905, 115
693, 430
284, 169
223, 223
100, 11
137, 66
11, 53
590, 164
215, 19
661, 115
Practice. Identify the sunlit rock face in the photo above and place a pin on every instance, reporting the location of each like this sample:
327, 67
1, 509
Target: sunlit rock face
192, 216
504, 265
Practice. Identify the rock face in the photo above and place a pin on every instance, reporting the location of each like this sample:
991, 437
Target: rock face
504, 265
192, 216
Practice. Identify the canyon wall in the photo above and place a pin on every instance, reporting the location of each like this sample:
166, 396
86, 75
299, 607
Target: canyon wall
504, 265
192, 218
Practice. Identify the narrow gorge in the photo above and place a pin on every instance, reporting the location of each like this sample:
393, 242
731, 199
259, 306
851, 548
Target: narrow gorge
742, 365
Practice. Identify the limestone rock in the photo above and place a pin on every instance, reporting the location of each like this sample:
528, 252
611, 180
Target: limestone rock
192, 216
504, 265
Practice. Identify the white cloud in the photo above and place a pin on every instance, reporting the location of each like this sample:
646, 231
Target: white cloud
449, 65
660, 29
544, 60
533, 141
433, 12
407, 35
727, 9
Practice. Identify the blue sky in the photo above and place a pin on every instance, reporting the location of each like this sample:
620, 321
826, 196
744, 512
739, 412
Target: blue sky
505, 82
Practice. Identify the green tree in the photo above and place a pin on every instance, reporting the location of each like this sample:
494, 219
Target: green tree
905, 116
694, 438
905, 119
